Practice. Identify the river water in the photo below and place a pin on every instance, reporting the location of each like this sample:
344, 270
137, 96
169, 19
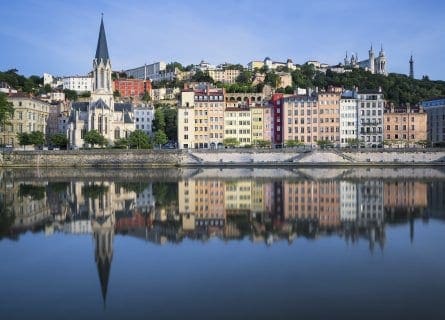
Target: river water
223, 244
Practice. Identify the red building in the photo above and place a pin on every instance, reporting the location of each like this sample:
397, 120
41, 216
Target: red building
132, 87
277, 119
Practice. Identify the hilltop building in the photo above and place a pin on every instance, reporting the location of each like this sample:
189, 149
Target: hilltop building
375, 65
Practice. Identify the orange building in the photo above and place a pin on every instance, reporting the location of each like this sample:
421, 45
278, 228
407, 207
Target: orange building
131, 87
405, 126
329, 116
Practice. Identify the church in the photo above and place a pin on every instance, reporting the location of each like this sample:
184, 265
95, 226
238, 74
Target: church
375, 65
113, 120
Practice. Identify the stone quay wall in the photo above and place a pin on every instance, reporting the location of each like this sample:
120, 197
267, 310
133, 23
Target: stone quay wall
228, 157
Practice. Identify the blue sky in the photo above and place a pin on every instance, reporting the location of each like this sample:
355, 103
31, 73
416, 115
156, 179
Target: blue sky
60, 37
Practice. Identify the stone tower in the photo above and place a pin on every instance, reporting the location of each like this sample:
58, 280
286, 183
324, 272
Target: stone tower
411, 67
371, 60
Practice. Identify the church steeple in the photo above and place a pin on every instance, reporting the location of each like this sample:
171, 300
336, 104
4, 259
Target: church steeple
102, 47
102, 83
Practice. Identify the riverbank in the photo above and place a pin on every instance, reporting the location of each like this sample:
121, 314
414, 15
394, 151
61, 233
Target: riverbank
229, 157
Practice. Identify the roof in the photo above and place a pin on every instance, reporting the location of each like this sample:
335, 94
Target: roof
100, 104
80, 106
123, 107
102, 48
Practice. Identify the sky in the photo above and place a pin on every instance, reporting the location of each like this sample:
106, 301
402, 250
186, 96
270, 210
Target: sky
60, 37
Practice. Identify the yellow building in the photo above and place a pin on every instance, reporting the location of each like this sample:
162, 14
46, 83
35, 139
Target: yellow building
30, 114
237, 125
261, 123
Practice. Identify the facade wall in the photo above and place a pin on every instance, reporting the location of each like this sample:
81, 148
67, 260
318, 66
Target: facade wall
436, 119
329, 117
348, 120
129, 87
237, 125
300, 119
405, 126
30, 115
78, 83
370, 119
143, 118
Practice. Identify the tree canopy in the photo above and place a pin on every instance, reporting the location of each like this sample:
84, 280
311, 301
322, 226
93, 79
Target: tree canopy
138, 139
93, 137
6, 109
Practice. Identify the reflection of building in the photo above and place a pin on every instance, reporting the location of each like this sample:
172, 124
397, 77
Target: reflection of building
408, 196
348, 201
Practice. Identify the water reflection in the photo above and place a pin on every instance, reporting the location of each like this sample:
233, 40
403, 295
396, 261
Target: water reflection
261, 210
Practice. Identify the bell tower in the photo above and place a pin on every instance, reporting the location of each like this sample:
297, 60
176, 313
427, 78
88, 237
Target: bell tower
102, 83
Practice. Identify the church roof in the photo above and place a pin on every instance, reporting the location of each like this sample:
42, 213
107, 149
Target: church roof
80, 106
102, 48
123, 107
99, 104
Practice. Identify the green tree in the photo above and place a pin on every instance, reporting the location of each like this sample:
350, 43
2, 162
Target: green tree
23, 139
160, 138
93, 137
323, 144
146, 97
6, 110
159, 119
70, 94
116, 94
261, 143
121, 143
200, 76
293, 143
272, 79
138, 139
245, 77
231, 142
171, 125
60, 140
37, 138
289, 90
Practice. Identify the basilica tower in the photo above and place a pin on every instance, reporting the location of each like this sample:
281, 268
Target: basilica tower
371, 60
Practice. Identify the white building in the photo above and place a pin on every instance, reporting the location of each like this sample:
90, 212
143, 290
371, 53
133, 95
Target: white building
155, 72
348, 117
78, 83
5, 88
143, 118
370, 118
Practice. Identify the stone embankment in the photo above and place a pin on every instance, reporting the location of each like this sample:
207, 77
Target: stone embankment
234, 157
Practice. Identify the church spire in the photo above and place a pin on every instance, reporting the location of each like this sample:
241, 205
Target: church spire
102, 48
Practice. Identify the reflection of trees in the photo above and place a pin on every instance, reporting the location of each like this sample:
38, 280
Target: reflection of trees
94, 191
137, 187
165, 193
7, 218
58, 187
29, 190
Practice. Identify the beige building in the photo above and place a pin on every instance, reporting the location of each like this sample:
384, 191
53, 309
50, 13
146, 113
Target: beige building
405, 126
201, 118
224, 75
285, 79
300, 119
30, 114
